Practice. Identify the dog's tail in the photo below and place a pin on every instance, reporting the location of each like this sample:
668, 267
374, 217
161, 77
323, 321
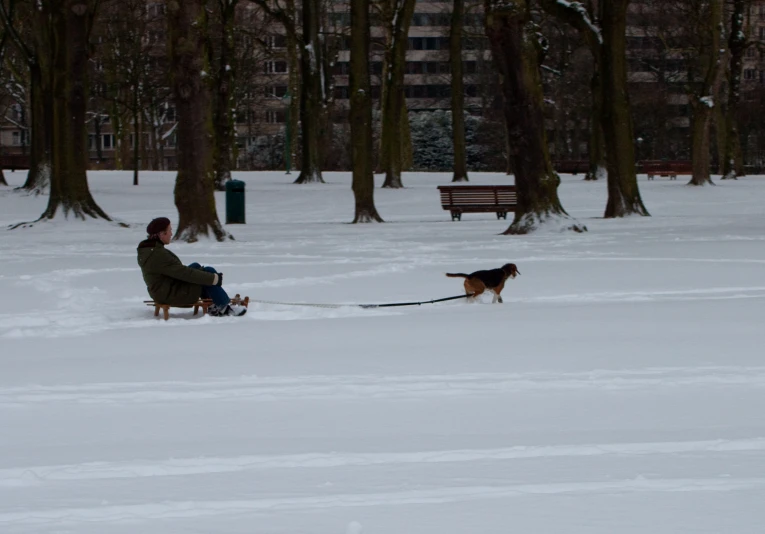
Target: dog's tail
457, 275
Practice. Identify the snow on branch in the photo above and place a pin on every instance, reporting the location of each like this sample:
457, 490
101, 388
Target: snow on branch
576, 14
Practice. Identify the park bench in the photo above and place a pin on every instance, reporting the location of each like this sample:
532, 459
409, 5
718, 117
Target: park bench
201, 303
14, 161
666, 168
459, 199
571, 166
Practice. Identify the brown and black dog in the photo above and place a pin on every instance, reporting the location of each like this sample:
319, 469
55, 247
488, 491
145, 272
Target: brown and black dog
493, 280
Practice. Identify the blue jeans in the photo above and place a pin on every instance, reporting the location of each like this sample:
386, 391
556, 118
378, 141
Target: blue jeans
215, 293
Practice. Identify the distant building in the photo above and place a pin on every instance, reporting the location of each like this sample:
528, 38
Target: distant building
262, 107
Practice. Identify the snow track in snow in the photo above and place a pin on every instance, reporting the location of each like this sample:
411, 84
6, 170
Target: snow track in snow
136, 513
38, 475
271, 389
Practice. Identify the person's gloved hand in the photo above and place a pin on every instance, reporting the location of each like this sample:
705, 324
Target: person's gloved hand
220, 280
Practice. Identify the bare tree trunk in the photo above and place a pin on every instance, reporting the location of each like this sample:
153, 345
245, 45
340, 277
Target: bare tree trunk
394, 120
623, 192
508, 150
295, 89
610, 99
407, 150
118, 129
597, 143
97, 138
515, 51
312, 95
704, 99
361, 116
458, 93
35, 46
69, 183
222, 98
700, 143
122, 156
151, 118
41, 104
733, 160
194, 188
3, 41
136, 135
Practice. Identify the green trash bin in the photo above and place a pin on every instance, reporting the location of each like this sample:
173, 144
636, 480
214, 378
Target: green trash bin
235, 202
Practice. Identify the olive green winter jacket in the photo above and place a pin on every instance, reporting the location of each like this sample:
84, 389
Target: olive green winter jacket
167, 279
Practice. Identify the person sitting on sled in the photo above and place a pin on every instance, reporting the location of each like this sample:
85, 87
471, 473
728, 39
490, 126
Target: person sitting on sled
171, 282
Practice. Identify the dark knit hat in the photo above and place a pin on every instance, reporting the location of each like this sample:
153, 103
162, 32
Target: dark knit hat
158, 225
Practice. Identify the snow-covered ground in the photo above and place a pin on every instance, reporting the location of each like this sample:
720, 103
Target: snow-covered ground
620, 388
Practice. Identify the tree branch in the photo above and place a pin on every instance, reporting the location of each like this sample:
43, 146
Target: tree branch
280, 15
575, 14
7, 17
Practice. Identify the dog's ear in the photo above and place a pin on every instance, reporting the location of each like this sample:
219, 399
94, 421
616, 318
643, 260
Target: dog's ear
511, 269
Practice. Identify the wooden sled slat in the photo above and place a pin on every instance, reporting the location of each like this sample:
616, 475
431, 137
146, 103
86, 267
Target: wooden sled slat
201, 303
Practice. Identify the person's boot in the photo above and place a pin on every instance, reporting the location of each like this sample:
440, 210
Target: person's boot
223, 311
214, 311
236, 311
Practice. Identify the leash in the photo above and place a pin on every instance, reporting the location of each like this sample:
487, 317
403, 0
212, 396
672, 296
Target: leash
414, 303
365, 306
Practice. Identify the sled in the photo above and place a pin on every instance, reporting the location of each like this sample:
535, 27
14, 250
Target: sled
201, 303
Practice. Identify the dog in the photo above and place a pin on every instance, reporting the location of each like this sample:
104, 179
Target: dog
493, 280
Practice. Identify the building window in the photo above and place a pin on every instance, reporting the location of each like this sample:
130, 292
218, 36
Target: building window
107, 141
170, 114
414, 67
415, 43
277, 91
340, 19
275, 116
341, 68
341, 92
750, 74
428, 43
156, 36
275, 67
16, 139
144, 140
17, 113
156, 9
276, 41
244, 116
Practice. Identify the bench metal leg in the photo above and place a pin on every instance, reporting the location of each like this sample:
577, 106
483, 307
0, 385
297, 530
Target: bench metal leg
456, 216
501, 215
